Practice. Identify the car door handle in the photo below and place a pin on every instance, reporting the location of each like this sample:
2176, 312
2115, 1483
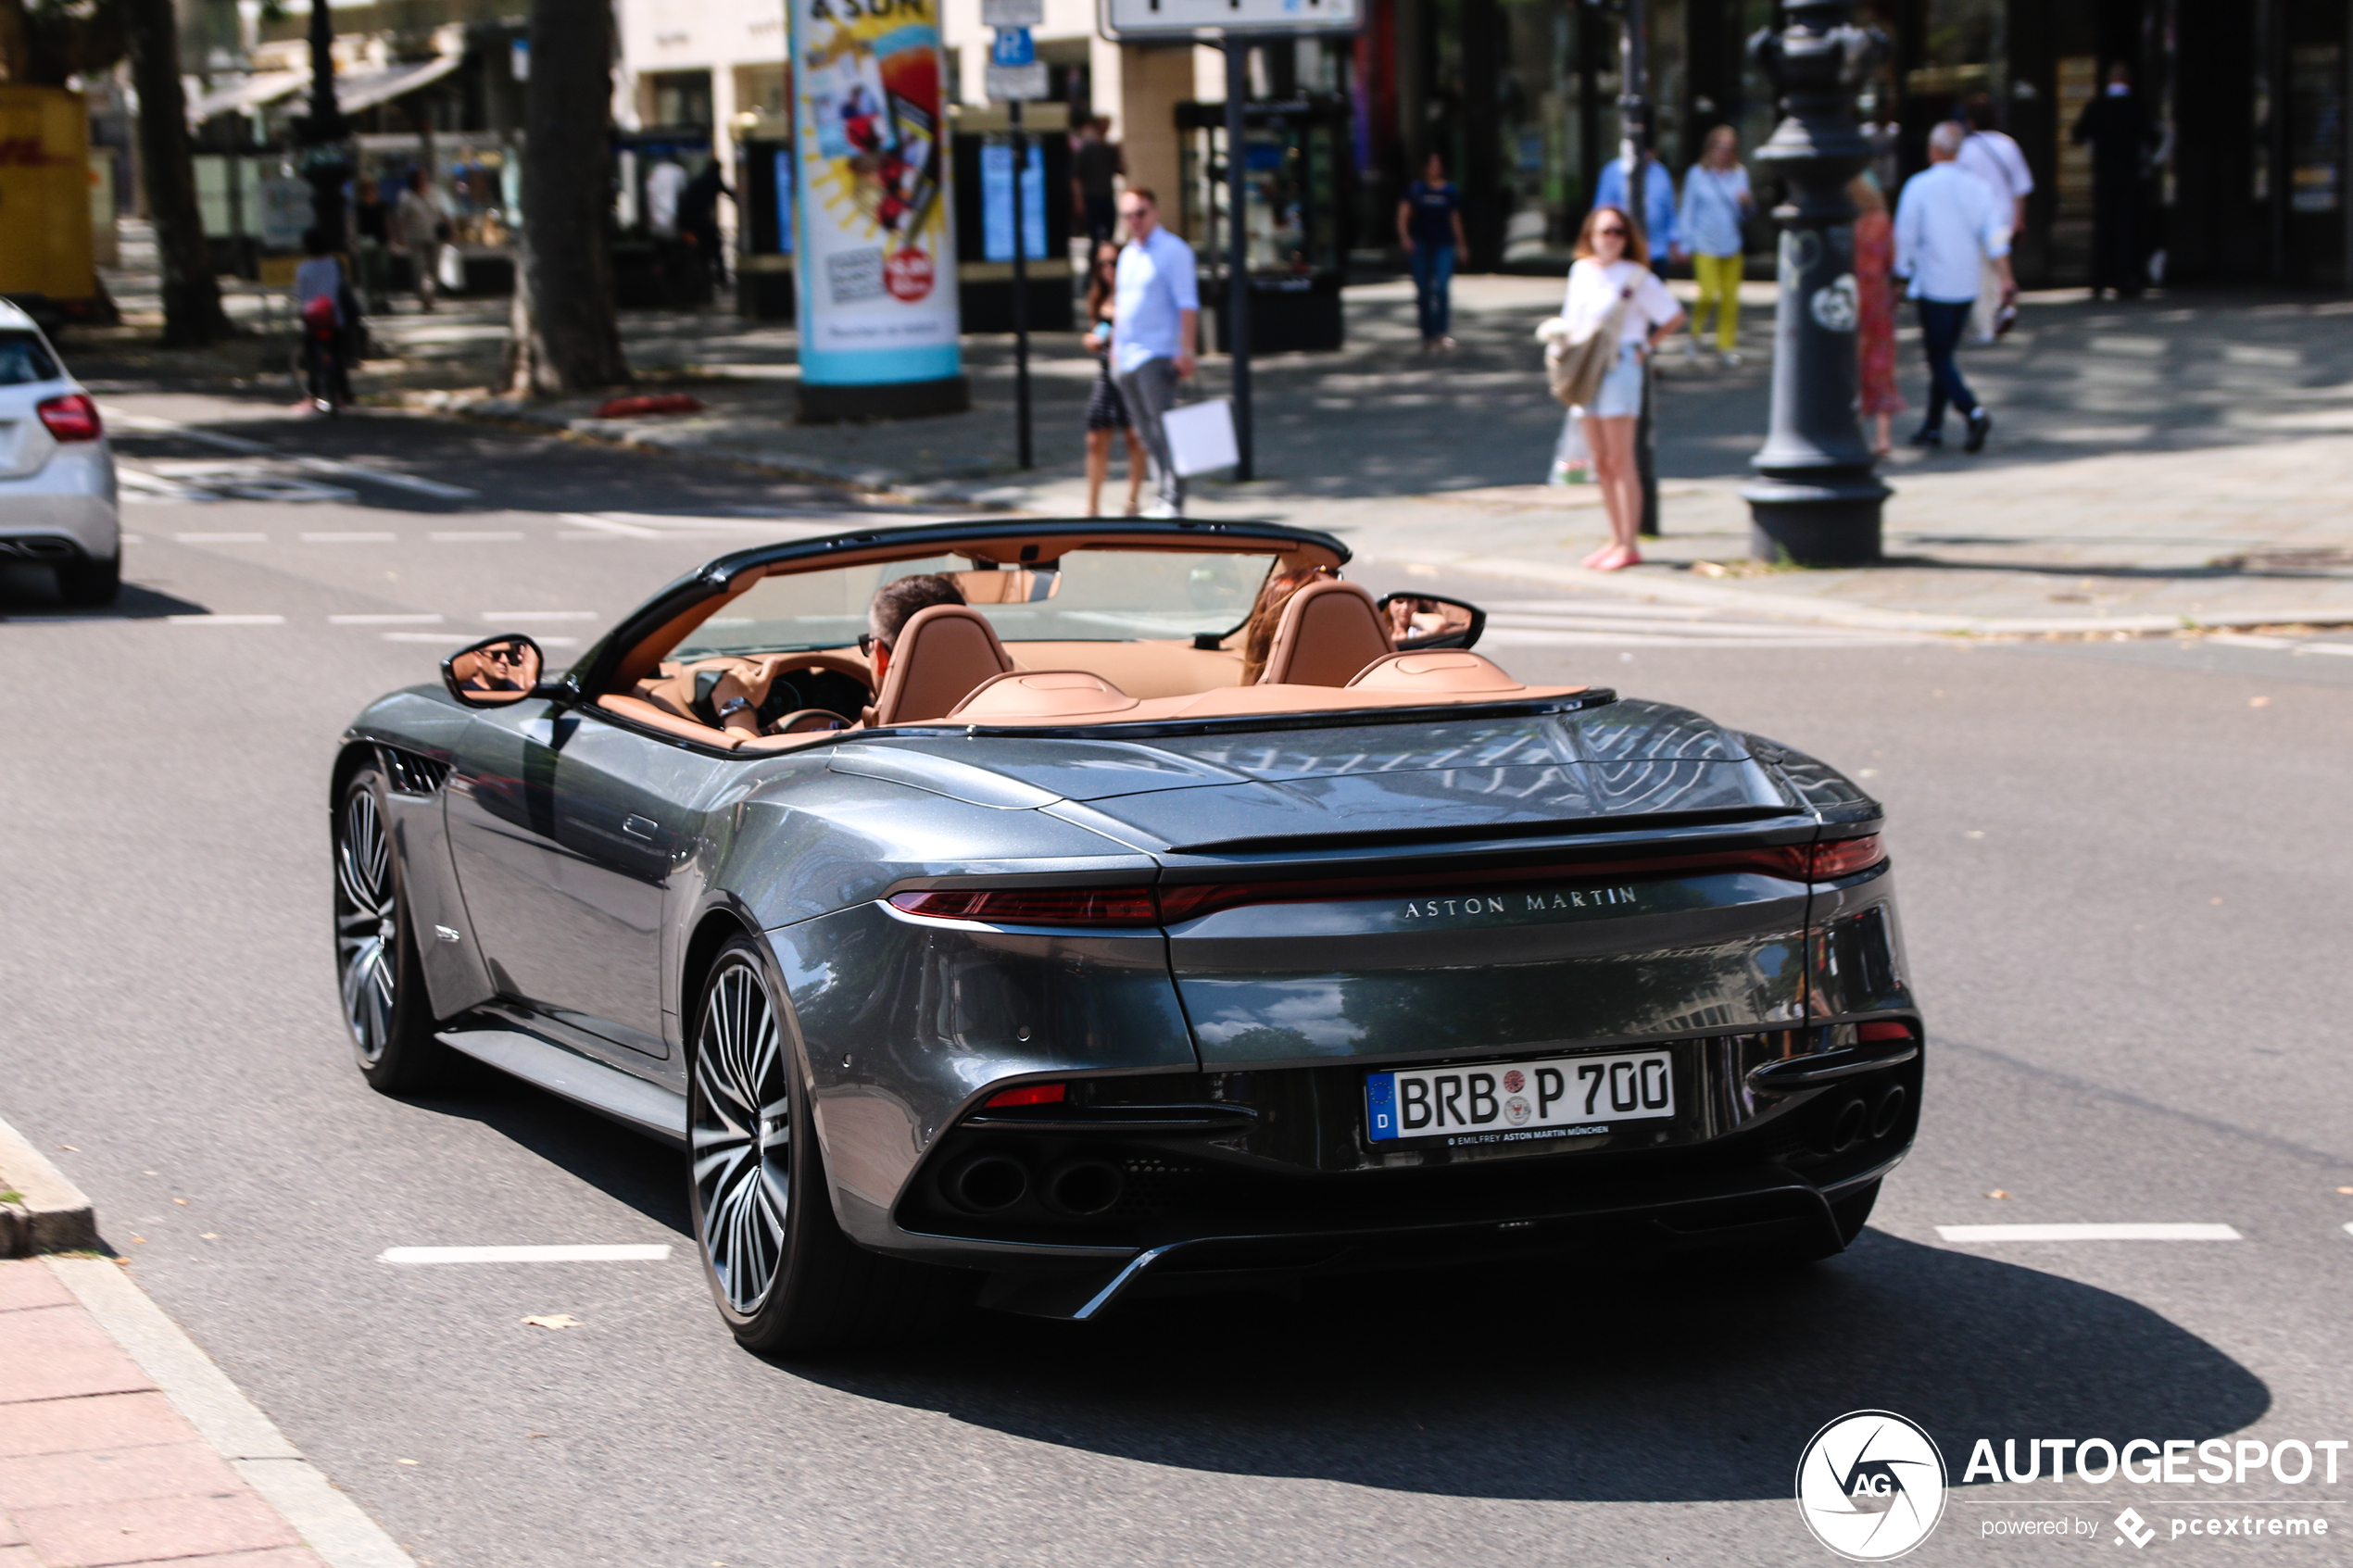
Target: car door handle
640, 827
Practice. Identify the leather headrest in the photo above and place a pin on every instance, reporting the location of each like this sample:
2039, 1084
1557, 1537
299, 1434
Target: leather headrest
942, 653
1329, 631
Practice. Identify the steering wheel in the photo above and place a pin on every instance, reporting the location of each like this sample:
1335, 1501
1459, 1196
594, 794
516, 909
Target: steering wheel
808, 720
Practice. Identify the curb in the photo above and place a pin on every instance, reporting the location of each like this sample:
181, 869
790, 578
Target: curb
328, 1522
40, 1210
1780, 607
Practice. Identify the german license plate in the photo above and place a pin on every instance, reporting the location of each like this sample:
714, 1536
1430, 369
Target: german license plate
1558, 1097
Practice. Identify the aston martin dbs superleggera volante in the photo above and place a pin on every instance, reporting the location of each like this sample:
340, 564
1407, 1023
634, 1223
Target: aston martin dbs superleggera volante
1166, 914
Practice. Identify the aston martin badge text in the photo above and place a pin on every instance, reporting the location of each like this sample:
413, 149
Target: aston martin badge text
1508, 903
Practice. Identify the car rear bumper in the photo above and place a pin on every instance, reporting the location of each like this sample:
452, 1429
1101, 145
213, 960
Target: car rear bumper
1207, 1209
65, 511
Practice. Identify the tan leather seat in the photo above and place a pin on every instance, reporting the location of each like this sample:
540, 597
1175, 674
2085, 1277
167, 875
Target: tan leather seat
1329, 631
942, 653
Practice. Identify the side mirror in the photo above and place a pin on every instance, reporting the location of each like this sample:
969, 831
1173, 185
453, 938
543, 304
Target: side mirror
496, 671
1420, 620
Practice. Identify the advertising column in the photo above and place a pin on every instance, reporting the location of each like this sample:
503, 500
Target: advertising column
878, 326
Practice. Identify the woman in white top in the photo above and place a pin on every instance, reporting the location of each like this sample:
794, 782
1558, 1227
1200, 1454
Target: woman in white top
1611, 261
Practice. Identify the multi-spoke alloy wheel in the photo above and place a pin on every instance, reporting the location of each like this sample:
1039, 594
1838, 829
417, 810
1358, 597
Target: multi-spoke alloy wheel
385, 1005
367, 926
741, 1132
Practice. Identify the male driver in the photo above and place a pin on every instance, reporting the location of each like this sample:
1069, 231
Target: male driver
1947, 227
1152, 334
737, 701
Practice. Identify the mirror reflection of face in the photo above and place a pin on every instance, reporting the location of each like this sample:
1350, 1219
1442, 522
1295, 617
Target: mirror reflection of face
500, 667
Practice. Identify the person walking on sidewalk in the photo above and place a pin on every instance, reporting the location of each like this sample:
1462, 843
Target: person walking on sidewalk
1106, 411
1155, 322
2112, 124
1613, 263
1096, 165
1997, 159
419, 227
1659, 235
1716, 200
1429, 225
1946, 228
1875, 310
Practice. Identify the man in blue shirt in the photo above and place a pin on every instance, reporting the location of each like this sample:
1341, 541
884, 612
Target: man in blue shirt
1658, 195
1155, 325
1947, 226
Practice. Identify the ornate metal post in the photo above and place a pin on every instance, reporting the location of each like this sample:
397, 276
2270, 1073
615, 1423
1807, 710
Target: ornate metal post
1817, 500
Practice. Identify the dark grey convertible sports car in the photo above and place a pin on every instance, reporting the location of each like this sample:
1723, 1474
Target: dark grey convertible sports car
1150, 910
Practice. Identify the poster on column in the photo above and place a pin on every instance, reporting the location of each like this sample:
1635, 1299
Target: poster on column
878, 283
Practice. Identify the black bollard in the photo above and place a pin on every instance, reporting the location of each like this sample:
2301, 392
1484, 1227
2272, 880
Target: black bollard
1817, 500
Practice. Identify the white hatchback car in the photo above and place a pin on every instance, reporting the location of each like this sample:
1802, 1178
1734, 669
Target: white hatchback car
57, 470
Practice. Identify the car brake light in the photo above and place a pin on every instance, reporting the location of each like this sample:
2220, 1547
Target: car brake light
1844, 856
71, 418
1887, 1029
1033, 905
1030, 1093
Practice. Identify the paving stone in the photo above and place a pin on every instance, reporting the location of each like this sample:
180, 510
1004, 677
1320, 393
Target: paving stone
102, 1422
101, 1535
27, 1282
57, 1352
166, 1469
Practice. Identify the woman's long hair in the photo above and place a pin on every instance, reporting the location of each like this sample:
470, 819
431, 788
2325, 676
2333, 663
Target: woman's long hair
1637, 248
1099, 288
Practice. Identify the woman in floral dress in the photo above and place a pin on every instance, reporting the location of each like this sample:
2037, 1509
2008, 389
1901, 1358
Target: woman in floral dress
1875, 324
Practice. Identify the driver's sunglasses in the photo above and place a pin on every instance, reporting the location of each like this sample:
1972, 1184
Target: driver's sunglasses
502, 656
866, 644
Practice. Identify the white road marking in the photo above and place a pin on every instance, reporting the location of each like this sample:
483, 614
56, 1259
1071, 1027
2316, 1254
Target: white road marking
2157, 1232
222, 538
350, 538
383, 620
441, 637
1556, 623
2342, 649
173, 427
576, 1253
490, 536
433, 487
138, 485
607, 526
226, 619
538, 615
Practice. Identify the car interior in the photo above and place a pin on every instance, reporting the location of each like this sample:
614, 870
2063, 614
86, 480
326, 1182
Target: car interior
1332, 647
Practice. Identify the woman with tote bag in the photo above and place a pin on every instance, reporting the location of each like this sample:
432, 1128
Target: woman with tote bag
1615, 314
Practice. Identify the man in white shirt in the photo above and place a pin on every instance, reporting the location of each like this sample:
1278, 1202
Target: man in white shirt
1947, 227
1155, 323
2001, 163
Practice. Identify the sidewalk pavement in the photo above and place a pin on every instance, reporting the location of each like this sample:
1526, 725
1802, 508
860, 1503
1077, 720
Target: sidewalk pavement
122, 1443
2170, 462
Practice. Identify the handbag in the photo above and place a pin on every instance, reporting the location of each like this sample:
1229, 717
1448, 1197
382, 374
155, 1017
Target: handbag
1575, 374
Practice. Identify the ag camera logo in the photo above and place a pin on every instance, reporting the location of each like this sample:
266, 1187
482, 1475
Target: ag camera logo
1871, 1486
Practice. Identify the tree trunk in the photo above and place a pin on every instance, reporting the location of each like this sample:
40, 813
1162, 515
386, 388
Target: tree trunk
564, 336
191, 312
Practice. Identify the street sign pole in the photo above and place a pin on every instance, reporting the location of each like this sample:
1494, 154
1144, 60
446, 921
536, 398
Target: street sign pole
1238, 253
1014, 76
1635, 106
1021, 296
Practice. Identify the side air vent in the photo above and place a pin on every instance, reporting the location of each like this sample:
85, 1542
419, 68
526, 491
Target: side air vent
413, 774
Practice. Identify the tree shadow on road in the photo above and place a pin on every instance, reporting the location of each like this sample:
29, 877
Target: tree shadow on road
1676, 1386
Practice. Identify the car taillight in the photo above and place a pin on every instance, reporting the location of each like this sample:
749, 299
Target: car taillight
1886, 1029
1033, 905
1030, 1094
1844, 856
71, 418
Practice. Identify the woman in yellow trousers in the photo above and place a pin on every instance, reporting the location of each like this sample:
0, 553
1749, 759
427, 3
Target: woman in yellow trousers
1716, 200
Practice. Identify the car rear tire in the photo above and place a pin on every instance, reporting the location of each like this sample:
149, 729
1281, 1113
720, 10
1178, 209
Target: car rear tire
786, 1279
90, 583
386, 1008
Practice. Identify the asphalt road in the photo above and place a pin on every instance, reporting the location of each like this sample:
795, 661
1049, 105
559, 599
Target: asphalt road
2125, 876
